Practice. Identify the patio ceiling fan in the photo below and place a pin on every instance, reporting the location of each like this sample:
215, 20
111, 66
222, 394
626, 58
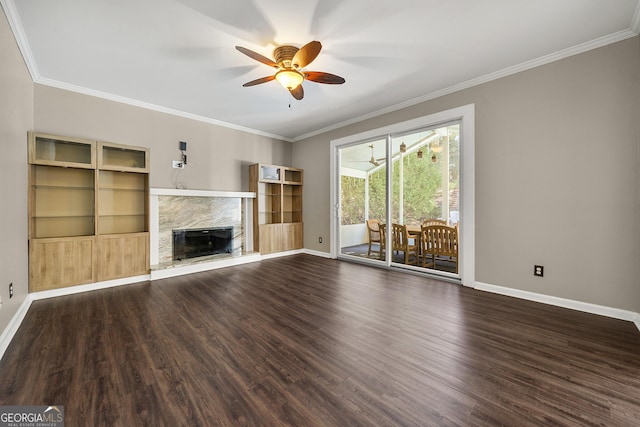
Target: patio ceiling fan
373, 160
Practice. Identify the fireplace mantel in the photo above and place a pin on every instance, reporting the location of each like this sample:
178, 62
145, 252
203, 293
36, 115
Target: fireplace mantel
201, 193
178, 209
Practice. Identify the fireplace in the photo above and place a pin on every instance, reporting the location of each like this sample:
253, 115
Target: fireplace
199, 242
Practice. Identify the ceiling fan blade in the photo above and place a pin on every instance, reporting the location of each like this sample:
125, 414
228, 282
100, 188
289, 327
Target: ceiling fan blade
298, 92
257, 56
306, 54
259, 81
321, 77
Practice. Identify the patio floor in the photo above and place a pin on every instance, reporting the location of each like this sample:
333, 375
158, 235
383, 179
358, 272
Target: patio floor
361, 251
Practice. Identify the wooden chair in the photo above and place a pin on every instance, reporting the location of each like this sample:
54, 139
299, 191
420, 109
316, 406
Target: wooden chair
433, 221
373, 226
402, 242
440, 242
383, 240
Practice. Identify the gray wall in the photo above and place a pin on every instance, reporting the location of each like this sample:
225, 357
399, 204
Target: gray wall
557, 176
16, 117
216, 156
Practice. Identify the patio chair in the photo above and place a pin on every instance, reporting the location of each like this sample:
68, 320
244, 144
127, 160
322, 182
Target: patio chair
440, 242
433, 221
403, 242
373, 226
383, 240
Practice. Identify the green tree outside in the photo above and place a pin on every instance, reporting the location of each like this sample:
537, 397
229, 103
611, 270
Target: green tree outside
422, 187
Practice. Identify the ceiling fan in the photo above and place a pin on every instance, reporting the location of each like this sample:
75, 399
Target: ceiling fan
373, 160
289, 62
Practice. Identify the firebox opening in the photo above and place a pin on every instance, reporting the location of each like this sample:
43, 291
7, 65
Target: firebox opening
198, 242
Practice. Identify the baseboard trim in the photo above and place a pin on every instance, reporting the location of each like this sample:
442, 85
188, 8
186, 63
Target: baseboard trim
90, 287
281, 254
14, 324
586, 307
317, 253
204, 266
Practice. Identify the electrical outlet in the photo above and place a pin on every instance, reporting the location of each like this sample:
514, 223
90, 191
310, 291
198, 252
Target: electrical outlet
11, 290
319, 239
177, 164
538, 270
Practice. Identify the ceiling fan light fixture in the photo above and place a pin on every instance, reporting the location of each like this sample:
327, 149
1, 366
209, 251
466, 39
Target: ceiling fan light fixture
289, 60
289, 79
436, 146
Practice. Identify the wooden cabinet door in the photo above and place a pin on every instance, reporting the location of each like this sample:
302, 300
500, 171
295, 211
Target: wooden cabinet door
270, 238
123, 255
118, 157
44, 149
292, 237
59, 262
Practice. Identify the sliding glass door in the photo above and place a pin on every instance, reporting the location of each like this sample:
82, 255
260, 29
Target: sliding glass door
362, 180
392, 186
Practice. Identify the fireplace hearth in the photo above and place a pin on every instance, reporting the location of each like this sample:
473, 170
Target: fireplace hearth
200, 242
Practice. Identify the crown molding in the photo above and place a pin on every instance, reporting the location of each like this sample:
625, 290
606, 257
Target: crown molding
635, 21
543, 60
136, 103
11, 13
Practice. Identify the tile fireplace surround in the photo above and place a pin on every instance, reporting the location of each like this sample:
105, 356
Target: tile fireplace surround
172, 209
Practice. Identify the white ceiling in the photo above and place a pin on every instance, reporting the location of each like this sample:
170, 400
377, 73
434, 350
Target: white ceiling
179, 55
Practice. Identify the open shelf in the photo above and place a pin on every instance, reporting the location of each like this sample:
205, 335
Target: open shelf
277, 207
117, 224
63, 226
122, 205
62, 202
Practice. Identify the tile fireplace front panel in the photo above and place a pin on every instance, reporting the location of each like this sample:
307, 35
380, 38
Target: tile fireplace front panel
184, 212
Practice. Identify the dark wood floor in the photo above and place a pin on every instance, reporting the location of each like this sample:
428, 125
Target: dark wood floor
307, 341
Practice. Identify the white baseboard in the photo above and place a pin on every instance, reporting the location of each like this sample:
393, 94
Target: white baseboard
14, 324
317, 253
586, 307
204, 266
90, 287
281, 254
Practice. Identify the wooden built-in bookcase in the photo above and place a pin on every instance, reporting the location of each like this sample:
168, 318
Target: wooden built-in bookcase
277, 209
88, 211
